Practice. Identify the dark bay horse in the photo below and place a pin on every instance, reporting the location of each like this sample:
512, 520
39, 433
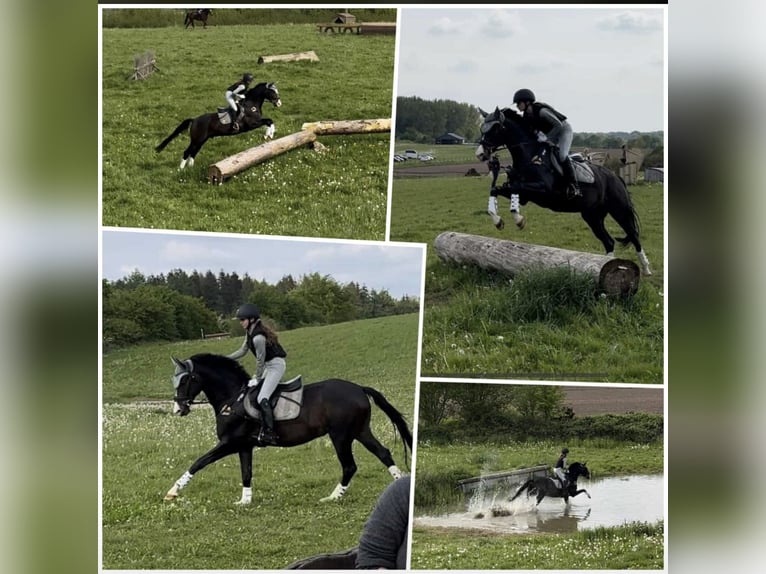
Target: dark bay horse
537, 177
543, 486
334, 407
207, 126
199, 14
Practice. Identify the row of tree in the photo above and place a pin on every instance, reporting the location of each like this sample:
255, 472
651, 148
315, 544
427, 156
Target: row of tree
180, 305
422, 121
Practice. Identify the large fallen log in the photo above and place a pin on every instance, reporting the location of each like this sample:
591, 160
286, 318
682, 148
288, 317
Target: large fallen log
349, 126
227, 167
613, 276
310, 55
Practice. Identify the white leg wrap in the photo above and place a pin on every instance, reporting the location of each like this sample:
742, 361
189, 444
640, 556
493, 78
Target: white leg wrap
179, 484
644, 263
515, 202
190, 161
270, 131
395, 472
247, 496
492, 205
610, 254
336, 494
183, 164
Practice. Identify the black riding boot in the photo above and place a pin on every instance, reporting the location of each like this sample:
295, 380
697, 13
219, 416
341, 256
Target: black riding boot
234, 122
573, 188
267, 434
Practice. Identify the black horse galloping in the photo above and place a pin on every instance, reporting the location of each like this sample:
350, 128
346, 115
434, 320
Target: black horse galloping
207, 126
199, 14
537, 177
336, 407
543, 486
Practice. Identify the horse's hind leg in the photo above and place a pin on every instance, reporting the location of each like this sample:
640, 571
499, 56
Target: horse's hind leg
384, 455
342, 443
596, 222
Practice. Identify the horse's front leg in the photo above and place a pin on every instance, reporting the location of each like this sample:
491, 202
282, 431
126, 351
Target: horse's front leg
270, 129
520, 220
246, 469
216, 453
492, 210
579, 491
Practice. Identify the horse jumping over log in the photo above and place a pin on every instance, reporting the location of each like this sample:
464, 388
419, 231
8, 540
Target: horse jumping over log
200, 14
537, 177
334, 407
217, 124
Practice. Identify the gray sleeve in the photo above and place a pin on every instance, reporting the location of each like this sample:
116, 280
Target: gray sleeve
259, 342
239, 353
545, 113
383, 543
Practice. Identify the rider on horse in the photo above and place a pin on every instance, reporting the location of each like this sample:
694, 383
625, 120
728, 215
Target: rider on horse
551, 126
234, 94
560, 469
270, 364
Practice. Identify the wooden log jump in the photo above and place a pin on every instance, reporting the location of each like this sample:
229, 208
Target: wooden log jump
310, 55
613, 276
227, 167
349, 126
505, 478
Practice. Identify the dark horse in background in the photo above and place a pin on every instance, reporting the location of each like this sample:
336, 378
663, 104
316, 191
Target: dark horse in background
537, 177
200, 14
216, 124
336, 407
543, 486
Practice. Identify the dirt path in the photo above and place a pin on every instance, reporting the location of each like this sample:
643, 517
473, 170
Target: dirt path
441, 170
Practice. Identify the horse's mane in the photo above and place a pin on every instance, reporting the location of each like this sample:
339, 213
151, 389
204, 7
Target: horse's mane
220, 362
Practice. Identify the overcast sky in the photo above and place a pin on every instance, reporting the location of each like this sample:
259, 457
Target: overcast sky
397, 268
603, 68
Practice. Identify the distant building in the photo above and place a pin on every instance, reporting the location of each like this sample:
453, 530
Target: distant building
450, 138
654, 174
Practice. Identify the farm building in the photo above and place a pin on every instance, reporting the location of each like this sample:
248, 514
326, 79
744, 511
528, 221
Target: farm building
654, 174
344, 18
450, 138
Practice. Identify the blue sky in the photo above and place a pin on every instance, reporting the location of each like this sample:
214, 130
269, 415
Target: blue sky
601, 67
395, 267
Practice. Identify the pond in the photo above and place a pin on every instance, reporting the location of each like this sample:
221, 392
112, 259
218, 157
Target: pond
615, 501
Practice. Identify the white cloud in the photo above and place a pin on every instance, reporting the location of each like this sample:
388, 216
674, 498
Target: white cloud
186, 252
444, 26
501, 24
638, 22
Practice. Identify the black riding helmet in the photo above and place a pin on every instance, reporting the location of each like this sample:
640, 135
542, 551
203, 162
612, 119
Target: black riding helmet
523, 95
248, 311
565, 450
247, 78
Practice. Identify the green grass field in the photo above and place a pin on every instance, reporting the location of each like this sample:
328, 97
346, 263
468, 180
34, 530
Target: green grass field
145, 449
537, 327
340, 192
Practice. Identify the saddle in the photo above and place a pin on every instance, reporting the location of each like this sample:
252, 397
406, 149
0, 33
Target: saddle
286, 401
582, 169
224, 115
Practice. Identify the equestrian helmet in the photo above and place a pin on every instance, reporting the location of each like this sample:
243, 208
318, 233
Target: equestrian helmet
248, 77
565, 450
523, 95
248, 311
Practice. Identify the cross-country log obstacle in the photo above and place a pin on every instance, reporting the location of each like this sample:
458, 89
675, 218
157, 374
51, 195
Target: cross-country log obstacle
613, 276
349, 127
227, 167
310, 55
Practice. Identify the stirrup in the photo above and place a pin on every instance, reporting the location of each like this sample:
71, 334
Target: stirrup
268, 437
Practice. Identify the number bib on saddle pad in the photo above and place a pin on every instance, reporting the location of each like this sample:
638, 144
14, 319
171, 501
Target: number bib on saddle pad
285, 402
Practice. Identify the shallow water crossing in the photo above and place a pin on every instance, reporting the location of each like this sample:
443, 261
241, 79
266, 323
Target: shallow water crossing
615, 501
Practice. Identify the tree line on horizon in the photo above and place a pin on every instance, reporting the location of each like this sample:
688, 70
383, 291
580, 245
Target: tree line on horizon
180, 305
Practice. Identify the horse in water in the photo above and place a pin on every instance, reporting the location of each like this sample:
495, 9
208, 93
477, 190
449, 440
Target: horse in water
543, 486
199, 14
302, 413
217, 124
536, 176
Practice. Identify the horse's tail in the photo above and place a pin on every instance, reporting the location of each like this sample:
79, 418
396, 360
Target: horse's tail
524, 487
181, 127
395, 416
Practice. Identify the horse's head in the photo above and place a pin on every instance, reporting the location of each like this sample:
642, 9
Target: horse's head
187, 385
577, 469
272, 94
503, 128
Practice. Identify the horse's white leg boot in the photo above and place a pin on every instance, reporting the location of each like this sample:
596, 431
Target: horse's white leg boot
190, 161
492, 210
183, 164
517, 217
644, 263
247, 496
610, 254
270, 131
336, 494
180, 483
395, 472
